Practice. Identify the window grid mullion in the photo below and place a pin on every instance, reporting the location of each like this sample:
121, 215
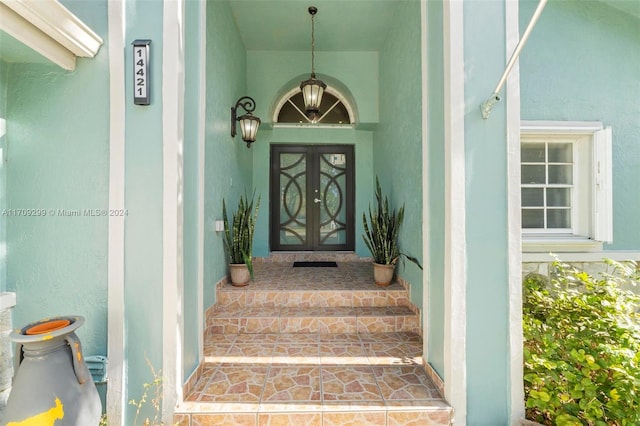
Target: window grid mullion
546, 184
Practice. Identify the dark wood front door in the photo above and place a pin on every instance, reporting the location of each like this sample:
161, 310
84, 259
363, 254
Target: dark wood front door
312, 197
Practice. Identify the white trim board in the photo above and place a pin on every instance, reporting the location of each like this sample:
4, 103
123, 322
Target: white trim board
172, 230
545, 126
426, 221
599, 256
559, 245
201, 165
514, 235
455, 276
115, 263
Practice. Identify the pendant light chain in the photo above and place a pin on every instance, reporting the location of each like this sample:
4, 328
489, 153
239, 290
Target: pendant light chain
313, 46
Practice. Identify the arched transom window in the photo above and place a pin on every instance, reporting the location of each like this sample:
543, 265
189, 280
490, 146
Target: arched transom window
333, 110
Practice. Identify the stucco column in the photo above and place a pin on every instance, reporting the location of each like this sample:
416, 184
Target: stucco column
145, 260
488, 208
481, 245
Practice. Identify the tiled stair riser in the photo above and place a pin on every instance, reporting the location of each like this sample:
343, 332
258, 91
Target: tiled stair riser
314, 325
368, 418
266, 298
377, 320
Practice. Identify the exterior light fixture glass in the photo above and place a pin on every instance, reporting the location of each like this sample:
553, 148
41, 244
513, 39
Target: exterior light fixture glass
249, 123
312, 89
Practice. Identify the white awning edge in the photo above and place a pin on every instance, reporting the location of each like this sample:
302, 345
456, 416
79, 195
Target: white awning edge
33, 22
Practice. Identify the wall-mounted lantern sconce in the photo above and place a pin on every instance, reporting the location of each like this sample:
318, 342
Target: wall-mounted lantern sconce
249, 123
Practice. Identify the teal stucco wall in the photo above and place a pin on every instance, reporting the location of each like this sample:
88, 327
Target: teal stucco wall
57, 160
435, 128
591, 74
4, 77
487, 287
228, 171
4, 74
397, 141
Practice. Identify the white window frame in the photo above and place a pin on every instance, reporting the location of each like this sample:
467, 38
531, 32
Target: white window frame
591, 199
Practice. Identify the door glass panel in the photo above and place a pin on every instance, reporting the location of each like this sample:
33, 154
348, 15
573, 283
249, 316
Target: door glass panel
331, 200
293, 206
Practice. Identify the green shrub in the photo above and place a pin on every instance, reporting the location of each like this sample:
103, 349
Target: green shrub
582, 347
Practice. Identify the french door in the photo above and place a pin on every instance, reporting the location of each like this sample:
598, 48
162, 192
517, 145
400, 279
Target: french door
312, 197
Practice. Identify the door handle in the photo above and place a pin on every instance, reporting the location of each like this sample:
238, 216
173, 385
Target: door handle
317, 200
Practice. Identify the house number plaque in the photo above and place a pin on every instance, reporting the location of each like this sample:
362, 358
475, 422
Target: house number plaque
141, 89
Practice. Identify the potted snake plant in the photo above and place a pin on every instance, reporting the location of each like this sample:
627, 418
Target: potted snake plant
381, 237
238, 239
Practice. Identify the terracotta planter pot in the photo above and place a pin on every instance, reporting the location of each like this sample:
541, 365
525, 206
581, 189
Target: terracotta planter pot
382, 274
240, 276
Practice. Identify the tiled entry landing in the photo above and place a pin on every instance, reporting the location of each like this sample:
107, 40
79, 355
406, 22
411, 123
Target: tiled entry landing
313, 346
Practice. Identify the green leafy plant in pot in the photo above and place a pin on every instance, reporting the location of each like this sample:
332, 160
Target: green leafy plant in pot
381, 237
238, 238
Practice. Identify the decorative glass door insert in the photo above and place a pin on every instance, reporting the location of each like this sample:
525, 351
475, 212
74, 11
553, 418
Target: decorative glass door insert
312, 197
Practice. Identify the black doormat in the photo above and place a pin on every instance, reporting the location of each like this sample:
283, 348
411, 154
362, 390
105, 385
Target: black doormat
315, 264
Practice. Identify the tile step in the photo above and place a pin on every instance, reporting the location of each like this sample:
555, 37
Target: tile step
353, 349
293, 256
321, 296
313, 379
423, 413
370, 319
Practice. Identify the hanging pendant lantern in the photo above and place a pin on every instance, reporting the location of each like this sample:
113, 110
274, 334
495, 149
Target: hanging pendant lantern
312, 89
